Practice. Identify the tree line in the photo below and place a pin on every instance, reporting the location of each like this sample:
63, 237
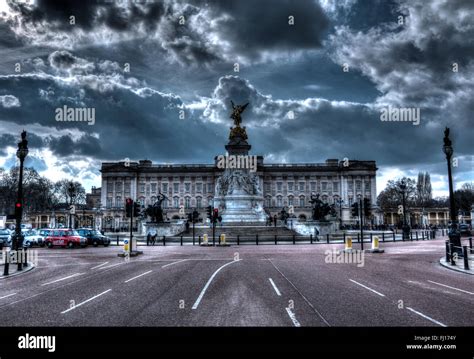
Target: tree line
40, 194
419, 194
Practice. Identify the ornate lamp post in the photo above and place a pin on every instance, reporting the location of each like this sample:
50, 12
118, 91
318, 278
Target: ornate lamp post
454, 234
71, 191
21, 153
406, 227
340, 201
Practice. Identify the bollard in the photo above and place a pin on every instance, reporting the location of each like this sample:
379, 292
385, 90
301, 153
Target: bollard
222, 241
358, 238
375, 246
117, 240
470, 242
451, 250
294, 239
206, 239
466, 258
256, 239
416, 235
370, 237
238, 240
327, 237
423, 235
275, 239
311, 238
411, 236
194, 240
181, 240
348, 244
164, 241
447, 251
393, 236
383, 236
344, 237
199, 240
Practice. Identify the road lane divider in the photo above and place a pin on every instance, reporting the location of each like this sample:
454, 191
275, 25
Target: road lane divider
426, 317
9, 295
274, 287
364, 286
448, 286
100, 265
84, 302
201, 295
64, 278
170, 264
138, 276
293, 317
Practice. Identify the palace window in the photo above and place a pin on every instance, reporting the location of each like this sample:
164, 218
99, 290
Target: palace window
198, 202
290, 186
279, 201
313, 186
198, 187
290, 201
279, 186
153, 187
324, 186
175, 187
301, 186
176, 202
209, 188
109, 202
335, 186
187, 187
187, 202
142, 188
358, 185
302, 201
118, 186
165, 187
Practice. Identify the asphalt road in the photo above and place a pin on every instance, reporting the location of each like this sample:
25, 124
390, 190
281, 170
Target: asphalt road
266, 285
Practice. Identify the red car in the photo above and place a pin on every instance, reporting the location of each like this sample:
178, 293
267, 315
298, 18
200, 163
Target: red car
65, 238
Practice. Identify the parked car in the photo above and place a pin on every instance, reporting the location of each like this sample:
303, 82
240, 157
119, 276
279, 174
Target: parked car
65, 238
32, 238
94, 237
464, 229
5, 238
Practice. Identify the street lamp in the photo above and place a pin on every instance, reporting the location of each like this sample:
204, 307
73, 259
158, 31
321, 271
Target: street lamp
340, 201
454, 234
21, 153
406, 227
71, 191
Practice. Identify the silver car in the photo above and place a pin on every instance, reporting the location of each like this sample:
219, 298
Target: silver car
5, 238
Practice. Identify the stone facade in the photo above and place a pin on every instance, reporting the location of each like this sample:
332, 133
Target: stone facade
189, 186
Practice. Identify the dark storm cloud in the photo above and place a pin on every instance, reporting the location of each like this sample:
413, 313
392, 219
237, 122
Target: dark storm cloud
212, 31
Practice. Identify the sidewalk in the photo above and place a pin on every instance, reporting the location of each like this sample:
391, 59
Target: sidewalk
459, 266
13, 270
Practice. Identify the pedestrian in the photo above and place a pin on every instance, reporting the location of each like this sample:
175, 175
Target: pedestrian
148, 238
275, 220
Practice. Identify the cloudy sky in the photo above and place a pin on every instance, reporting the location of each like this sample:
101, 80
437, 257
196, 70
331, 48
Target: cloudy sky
160, 75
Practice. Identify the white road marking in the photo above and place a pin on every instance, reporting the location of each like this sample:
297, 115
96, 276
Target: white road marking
112, 265
170, 264
293, 317
363, 286
447, 286
196, 304
426, 317
100, 265
64, 278
9, 295
274, 287
138, 276
86, 301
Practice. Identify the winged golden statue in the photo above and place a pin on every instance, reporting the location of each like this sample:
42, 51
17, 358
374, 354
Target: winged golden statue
236, 112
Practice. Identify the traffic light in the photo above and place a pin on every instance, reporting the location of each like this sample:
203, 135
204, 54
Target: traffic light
17, 209
128, 207
209, 212
355, 209
367, 205
195, 216
215, 215
136, 209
